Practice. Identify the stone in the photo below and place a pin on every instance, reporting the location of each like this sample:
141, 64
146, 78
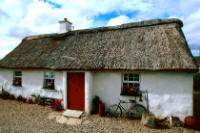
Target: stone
189, 131
148, 120
61, 119
52, 115
72, 113
74, 122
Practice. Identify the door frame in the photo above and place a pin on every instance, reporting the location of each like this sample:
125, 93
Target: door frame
68, 89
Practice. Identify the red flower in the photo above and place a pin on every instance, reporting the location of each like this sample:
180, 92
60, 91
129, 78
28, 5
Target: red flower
58, 100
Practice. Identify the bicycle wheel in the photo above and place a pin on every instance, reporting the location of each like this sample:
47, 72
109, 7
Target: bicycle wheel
114, 110
137, 111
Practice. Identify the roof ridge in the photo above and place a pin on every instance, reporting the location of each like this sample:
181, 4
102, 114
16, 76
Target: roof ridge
143, 23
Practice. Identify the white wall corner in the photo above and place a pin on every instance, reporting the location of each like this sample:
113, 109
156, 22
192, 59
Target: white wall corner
88, 91
65, 89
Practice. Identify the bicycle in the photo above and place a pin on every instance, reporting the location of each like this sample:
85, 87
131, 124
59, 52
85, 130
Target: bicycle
136, 110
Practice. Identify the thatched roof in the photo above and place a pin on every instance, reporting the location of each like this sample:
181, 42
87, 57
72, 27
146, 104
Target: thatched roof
153, 45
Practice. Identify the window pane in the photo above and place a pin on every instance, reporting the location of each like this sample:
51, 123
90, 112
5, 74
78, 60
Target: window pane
136, 79
125, 77
49, 80
18, 73
17, 81
131, 85
49, 75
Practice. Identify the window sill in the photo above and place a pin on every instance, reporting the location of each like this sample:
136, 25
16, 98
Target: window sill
48, 88
17, 85
125, 94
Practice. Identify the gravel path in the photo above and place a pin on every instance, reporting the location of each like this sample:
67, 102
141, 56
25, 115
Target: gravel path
19, 117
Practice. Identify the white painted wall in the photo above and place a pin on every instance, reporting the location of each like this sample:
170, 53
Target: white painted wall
88, 91
32, 82
169, 93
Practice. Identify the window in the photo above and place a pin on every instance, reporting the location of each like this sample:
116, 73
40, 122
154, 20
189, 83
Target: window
17, 78
48, 80
131, 84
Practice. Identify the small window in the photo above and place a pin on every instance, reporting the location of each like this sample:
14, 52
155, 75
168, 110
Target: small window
17, 78
48, 80
131, 84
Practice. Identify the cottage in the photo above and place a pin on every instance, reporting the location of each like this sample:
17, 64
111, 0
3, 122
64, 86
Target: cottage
109, 62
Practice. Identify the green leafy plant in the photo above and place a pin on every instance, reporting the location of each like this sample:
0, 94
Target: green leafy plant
95, 105
36, 98
19, 98
197, 76
11, 97
4, 94
24, 100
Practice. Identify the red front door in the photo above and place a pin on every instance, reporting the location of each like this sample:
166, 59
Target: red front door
76, 91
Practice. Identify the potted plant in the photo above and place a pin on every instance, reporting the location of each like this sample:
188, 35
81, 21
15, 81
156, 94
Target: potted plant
16, 82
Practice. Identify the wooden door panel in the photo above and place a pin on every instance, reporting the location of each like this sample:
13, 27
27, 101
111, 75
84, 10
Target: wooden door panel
76, 91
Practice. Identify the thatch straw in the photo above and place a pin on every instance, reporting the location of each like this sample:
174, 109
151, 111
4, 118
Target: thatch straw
155, 45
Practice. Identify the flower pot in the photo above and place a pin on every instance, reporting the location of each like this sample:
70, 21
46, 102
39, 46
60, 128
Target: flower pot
101, 109
190, 121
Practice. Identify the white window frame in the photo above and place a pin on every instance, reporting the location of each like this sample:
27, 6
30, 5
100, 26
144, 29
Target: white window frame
15, 83
132, 82
47, 85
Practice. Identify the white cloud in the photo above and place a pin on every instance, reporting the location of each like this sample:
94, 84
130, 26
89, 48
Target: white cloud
119, 20
4, 52
6, 44
192, 29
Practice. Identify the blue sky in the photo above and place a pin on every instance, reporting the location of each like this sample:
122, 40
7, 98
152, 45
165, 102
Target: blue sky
32, 17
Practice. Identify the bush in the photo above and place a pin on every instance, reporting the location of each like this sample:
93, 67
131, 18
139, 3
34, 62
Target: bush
11, 97
57, 106
197, 76
30, 101
36, 98
19, 98
95, 105
4, 94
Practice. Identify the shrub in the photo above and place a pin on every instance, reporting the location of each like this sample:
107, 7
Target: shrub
95, 105
19, 98
4, 94
30, 101
36, 98
57, 106
24, 100
11, 97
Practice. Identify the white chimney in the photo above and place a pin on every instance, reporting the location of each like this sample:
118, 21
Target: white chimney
65, 26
